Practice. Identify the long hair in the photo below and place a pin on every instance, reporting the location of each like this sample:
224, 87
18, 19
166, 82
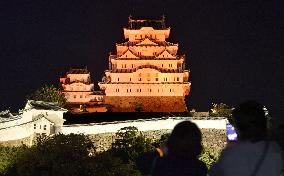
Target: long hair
185, 140
250, 121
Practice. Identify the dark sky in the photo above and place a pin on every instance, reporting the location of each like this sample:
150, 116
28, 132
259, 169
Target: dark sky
234, 48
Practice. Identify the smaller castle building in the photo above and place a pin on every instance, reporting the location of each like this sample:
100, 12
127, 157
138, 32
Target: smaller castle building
79, 92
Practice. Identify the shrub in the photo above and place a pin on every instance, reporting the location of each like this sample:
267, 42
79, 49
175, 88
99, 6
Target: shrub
130, 144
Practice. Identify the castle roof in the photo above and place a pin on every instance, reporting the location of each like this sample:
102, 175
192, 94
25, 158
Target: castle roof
138, 24
159, 43
162, 70
78, 71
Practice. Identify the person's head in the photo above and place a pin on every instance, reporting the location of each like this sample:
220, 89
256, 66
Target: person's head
250, 121
185, 140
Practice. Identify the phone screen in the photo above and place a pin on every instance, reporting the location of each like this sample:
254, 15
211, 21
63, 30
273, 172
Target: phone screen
231, 133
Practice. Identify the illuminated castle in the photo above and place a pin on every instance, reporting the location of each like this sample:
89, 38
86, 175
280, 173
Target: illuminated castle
146, 73
79, 92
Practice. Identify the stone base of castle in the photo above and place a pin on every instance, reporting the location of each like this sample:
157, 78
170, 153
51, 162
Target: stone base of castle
146, 104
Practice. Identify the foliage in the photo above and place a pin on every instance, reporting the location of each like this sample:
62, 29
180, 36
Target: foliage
56, 155
49, 94
209, 156
220, 110
130, 144
105, 164
162, 141
9, 155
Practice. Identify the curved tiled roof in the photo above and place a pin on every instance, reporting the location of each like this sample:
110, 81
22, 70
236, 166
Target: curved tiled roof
162, 70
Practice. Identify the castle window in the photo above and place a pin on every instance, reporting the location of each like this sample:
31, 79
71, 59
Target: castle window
157, 79
126, 90
74, 96
170, 90
132, 65
117, 79
158, 90
81, 96
140, 79
177, 78
121, 65
44, 127
129, 79
39, 126
140, 90
162, 65
124, 65
163, 56
137, 90
126, 55
129, 90
150, 90
34, 126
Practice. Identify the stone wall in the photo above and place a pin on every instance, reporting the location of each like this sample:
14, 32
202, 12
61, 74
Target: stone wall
149, 103
13, 143
212, 138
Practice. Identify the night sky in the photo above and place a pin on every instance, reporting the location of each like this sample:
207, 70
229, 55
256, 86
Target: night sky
234, 48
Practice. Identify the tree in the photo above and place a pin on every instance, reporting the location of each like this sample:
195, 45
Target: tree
10, 155
130, 144
49, 94
106, 164
220, 110
56, 155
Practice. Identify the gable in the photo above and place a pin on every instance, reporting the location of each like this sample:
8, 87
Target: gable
128, 54
147, 41
166, 54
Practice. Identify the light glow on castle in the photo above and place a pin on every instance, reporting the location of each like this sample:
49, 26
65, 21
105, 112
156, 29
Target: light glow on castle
146, 73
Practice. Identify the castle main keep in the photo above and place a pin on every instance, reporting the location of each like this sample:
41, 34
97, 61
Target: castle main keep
145, 74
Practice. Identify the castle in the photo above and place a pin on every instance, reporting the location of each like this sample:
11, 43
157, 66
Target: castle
146, 74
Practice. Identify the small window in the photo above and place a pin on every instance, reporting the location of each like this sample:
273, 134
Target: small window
140, 79
129, 90
81, 96
126, 90
124, 65
74, 96
170, 90
132, 65
117, 79
140, 90
39, 126
137, 90
158, 90
44, 127
162, 65
34, 126
157, 79
150, 90
177, 78
129, 79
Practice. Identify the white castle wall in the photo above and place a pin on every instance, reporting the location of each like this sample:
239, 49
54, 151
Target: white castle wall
141, 125
16, 132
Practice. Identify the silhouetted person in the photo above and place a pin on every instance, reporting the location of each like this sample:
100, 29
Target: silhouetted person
183, 149
253, 154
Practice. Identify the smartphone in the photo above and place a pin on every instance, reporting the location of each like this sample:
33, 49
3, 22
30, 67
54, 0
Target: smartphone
231, 133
